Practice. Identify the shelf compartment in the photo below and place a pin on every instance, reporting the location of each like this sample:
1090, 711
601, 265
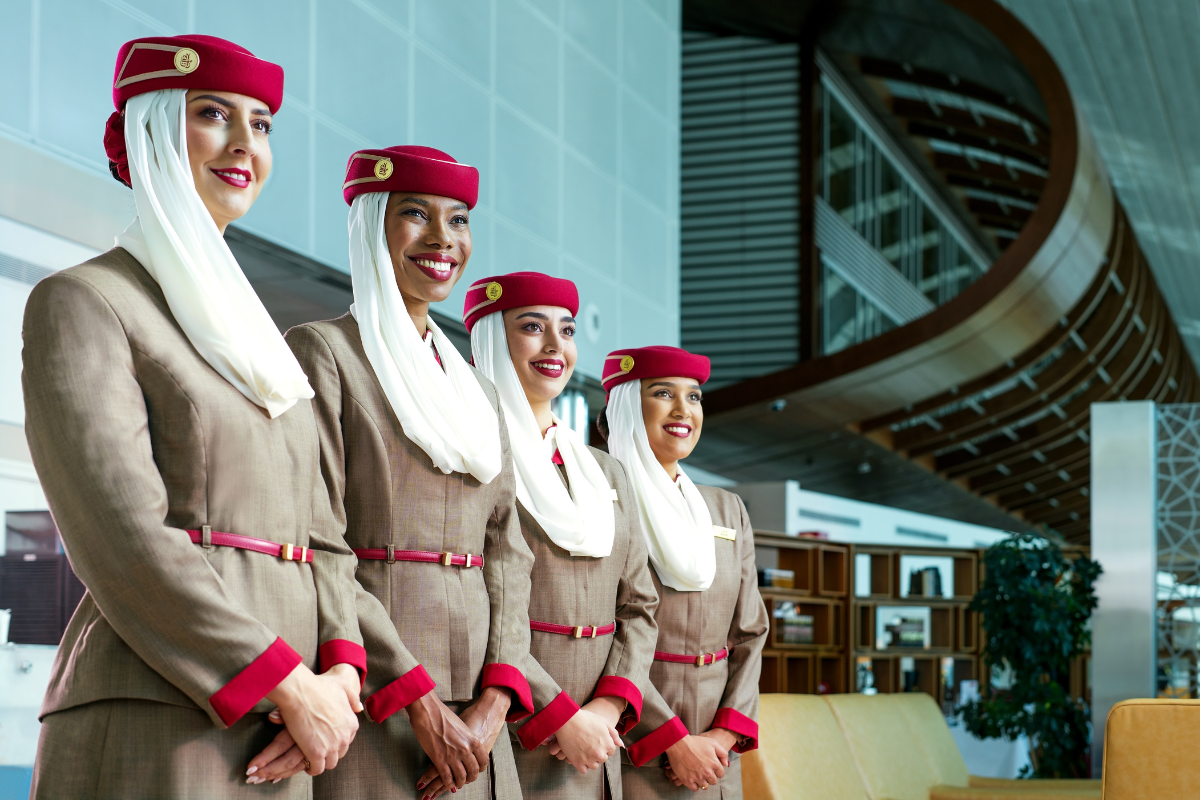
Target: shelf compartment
966, 576
799, 674
968, 630
801, 561
833, 572
864, 638
768, 678
941, 628
826, 617
833, 673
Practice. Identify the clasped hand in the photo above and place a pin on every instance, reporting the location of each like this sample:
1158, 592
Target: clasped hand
318, 713
458, 747
698, 762
588, 738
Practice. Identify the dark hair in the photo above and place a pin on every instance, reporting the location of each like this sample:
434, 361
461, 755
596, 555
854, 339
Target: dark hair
602, 423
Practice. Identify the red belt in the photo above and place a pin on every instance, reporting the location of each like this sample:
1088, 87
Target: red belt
207, 537
578, 631
699, 661
391, 555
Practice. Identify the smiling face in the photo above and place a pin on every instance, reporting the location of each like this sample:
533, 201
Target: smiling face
429, 237
541, 342
672, 410
228, 151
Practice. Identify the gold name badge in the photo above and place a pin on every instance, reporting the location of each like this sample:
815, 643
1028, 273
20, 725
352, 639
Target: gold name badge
724, 533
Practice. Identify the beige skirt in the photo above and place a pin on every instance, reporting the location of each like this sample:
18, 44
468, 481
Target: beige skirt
544, 777
651, 783
135, 749
385, 761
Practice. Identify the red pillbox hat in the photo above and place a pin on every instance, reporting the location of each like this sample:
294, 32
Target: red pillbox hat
515, 290
410, 168
194, 62
184, 62
658, 361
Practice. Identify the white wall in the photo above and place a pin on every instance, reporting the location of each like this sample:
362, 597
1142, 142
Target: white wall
569, 108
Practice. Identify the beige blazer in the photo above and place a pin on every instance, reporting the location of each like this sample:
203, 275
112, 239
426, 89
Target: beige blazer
729, 614
424, 624
136, 439
566, 672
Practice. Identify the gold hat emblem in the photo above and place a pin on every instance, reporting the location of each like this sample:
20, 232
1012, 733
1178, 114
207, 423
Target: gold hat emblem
383, 169
493, 291
187, 60
626, 363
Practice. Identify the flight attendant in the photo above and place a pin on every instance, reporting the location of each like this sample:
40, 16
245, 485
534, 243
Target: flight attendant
712, 623
173, 434
592, 598
416, 458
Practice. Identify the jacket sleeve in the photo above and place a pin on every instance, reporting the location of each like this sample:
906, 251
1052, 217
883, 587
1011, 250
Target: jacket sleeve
394, 678
738, 712
337, 602
627, 672
88, 431
507, 565
660, 727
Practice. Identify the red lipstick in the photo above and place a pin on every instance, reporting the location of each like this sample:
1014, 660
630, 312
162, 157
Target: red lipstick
550, 367
682, 429
239, 178
438, 266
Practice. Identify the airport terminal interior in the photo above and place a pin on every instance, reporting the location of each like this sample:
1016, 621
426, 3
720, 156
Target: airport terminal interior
943, 255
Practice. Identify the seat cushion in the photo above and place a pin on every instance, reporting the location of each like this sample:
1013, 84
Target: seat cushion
801, 753
891, 764
933, 737
1150, 750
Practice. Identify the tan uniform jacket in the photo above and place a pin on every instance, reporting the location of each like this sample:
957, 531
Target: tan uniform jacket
136, 439
566, 672
423, 624
729, 614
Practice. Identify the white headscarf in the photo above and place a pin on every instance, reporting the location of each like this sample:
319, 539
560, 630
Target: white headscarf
675, 519
175, 239
580, 520
443, 409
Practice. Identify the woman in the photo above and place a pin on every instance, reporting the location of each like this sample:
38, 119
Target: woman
172, 432
416, 458
592, 600
712, 623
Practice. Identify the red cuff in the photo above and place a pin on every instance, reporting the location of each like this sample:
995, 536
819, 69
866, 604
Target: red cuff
544, 724
234, 699
343, 651
739, 724
400, 693
509, 677
656, 742
612, 686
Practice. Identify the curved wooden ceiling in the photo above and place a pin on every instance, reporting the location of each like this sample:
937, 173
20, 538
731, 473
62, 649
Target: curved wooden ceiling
1008, 424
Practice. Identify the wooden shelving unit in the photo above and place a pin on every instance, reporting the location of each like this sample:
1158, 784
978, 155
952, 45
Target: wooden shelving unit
954, 630
844, 624
822, 590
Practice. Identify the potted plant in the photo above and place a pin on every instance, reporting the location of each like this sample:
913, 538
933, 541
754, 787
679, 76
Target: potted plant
1035, 603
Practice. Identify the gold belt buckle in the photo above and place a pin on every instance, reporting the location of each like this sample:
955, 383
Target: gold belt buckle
700, 660
578, 632
712, 658
593, 631
446, 562
291, 552
467, 563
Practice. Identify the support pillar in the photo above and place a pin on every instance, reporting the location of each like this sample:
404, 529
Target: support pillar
1124, 541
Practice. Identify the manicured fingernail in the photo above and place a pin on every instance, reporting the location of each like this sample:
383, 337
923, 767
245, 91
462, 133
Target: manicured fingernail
252, 770
420, 786
277, 780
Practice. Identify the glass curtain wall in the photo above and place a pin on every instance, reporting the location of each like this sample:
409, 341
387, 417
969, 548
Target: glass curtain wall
867, 188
